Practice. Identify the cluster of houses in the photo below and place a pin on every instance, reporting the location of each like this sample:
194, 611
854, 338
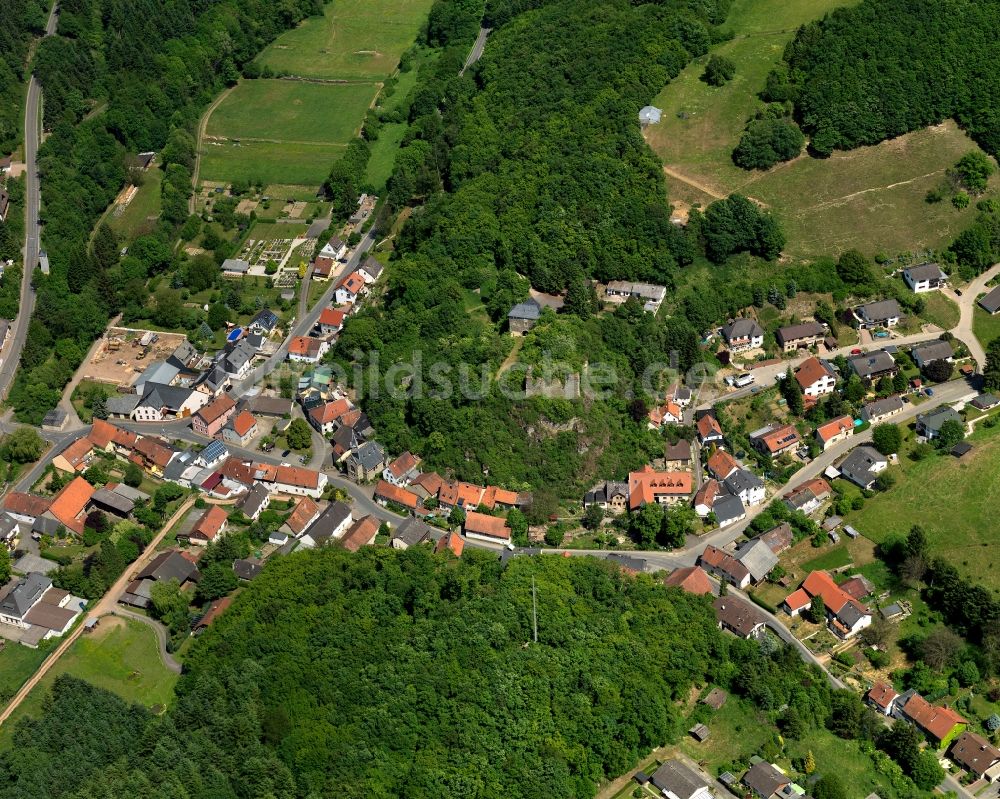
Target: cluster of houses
33, 609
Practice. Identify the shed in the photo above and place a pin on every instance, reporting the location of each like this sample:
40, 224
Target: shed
641, 777
851, 531
832, 523
700, 732
650, 115
891, 611
715, 698
961, 449
834, 537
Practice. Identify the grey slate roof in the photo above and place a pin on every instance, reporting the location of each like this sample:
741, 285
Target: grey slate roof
170, 565
270, 406
528, 310
213, 378
758, 558
932, 421
237, 358
254, 500
879, 408
328, 521
266, 319
764, 778
412, 532
986, 401
991, 302
924, 272
876, 312
178, 465
796, 332
369, 455
742, 328
932, 351
183, 355
25, 593
857, 466
871, 363
728, 508
372, 267
605, 491
248, 568
743, 480
677, 778
160, 396
121, 404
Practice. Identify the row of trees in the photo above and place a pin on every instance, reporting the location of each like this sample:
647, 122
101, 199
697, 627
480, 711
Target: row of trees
22, 19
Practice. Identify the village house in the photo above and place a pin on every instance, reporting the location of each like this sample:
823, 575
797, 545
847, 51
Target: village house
211, 418
370, 270
152, 454
873, 366
402, 470
939, 724
387, 492
677, 456
610, 496
255, 501
977, 756
666, 488
709, 430
169, 565
296, 481
675, 780
651, 296
778, 538
721, 464
882, 698
728, 509
75, 458
523, 316
69, 505
349, 289
775, 440
925, 277
360, 534
691, 579
834, 431
304, 349
884, 313
235, 267
724, 566
738, 617
931, 351
25, 507
31, 603
863, 465
162, 402
667, 413
264, 322
929, 424
305, 513
880, 410
212, 455
704, 498
990, 302
322, 268
468, 496
331, 321
212, 524
334, 248
846, 616
411, 533
326, 417
451, 542
747, 486
743, 334
329, 526
809, 496
758, 558
816, 378
765, 781
800, 337
481, 527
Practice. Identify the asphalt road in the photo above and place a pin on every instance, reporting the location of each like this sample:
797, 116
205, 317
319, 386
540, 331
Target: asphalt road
32, 229
477, 49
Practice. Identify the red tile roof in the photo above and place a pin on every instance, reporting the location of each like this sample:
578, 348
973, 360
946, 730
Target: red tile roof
715, 558
76, 453
431, 482
707, 493
646, 485
708, 425
216, 408
303, 345
403, 465
881, 695
216, 609
70, 502
332, 317
834, 428
691, 579
781, 438
494, 496
936, 721
722, 464
153, 451
452, 542
322, 266
811, 370
102, 433
391, 493
330, 412
297, 476
360, 534
492, 526
353, 282
26, 504
210, 523
458, 493
244, 423
303, 515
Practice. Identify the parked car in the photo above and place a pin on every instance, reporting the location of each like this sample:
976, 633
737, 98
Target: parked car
856, 351
285, 453
929, 392
743, 380
958, 292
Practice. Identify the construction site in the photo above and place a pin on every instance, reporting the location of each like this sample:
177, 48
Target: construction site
124, 353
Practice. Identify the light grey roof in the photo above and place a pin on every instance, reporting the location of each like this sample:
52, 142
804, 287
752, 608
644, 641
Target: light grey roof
237, 358
728, 508
872, 363
857, 466
254, 500
850, 614
25, 593
924, 272
115, 501
328, 521
874, 410
650, 113
183, 355
178, 465
677, 778
758, 558
874, 312
932, 351
412, 532
742, 328
170, 565
235, 265
157, 395
991, 302
528, 310
373, 267
933, 420
133, 494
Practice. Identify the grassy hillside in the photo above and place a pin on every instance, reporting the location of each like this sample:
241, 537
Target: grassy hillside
871, 198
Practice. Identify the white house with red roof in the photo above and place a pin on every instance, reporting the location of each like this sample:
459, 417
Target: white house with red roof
350, 288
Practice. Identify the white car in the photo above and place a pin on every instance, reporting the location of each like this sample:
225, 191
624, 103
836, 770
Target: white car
743, 380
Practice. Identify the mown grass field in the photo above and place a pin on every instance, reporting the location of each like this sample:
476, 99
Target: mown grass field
17, 664
871, 198
292, 111
121, 656
353, 39
986, 327
140, 215
302, 164
953, 500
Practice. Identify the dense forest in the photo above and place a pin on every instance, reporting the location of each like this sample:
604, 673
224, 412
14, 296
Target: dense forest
531, 171
882, 68
120, 78
22, 20
409, 674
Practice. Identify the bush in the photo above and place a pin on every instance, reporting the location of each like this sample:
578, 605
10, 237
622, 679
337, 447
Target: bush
718, 71
766, 142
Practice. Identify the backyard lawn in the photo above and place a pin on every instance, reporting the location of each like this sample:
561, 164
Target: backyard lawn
17, 664
986, 327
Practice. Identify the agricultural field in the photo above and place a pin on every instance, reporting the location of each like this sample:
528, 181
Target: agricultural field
301, 164
352, 40
871, 198
949, 498
121, 656
17, 664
